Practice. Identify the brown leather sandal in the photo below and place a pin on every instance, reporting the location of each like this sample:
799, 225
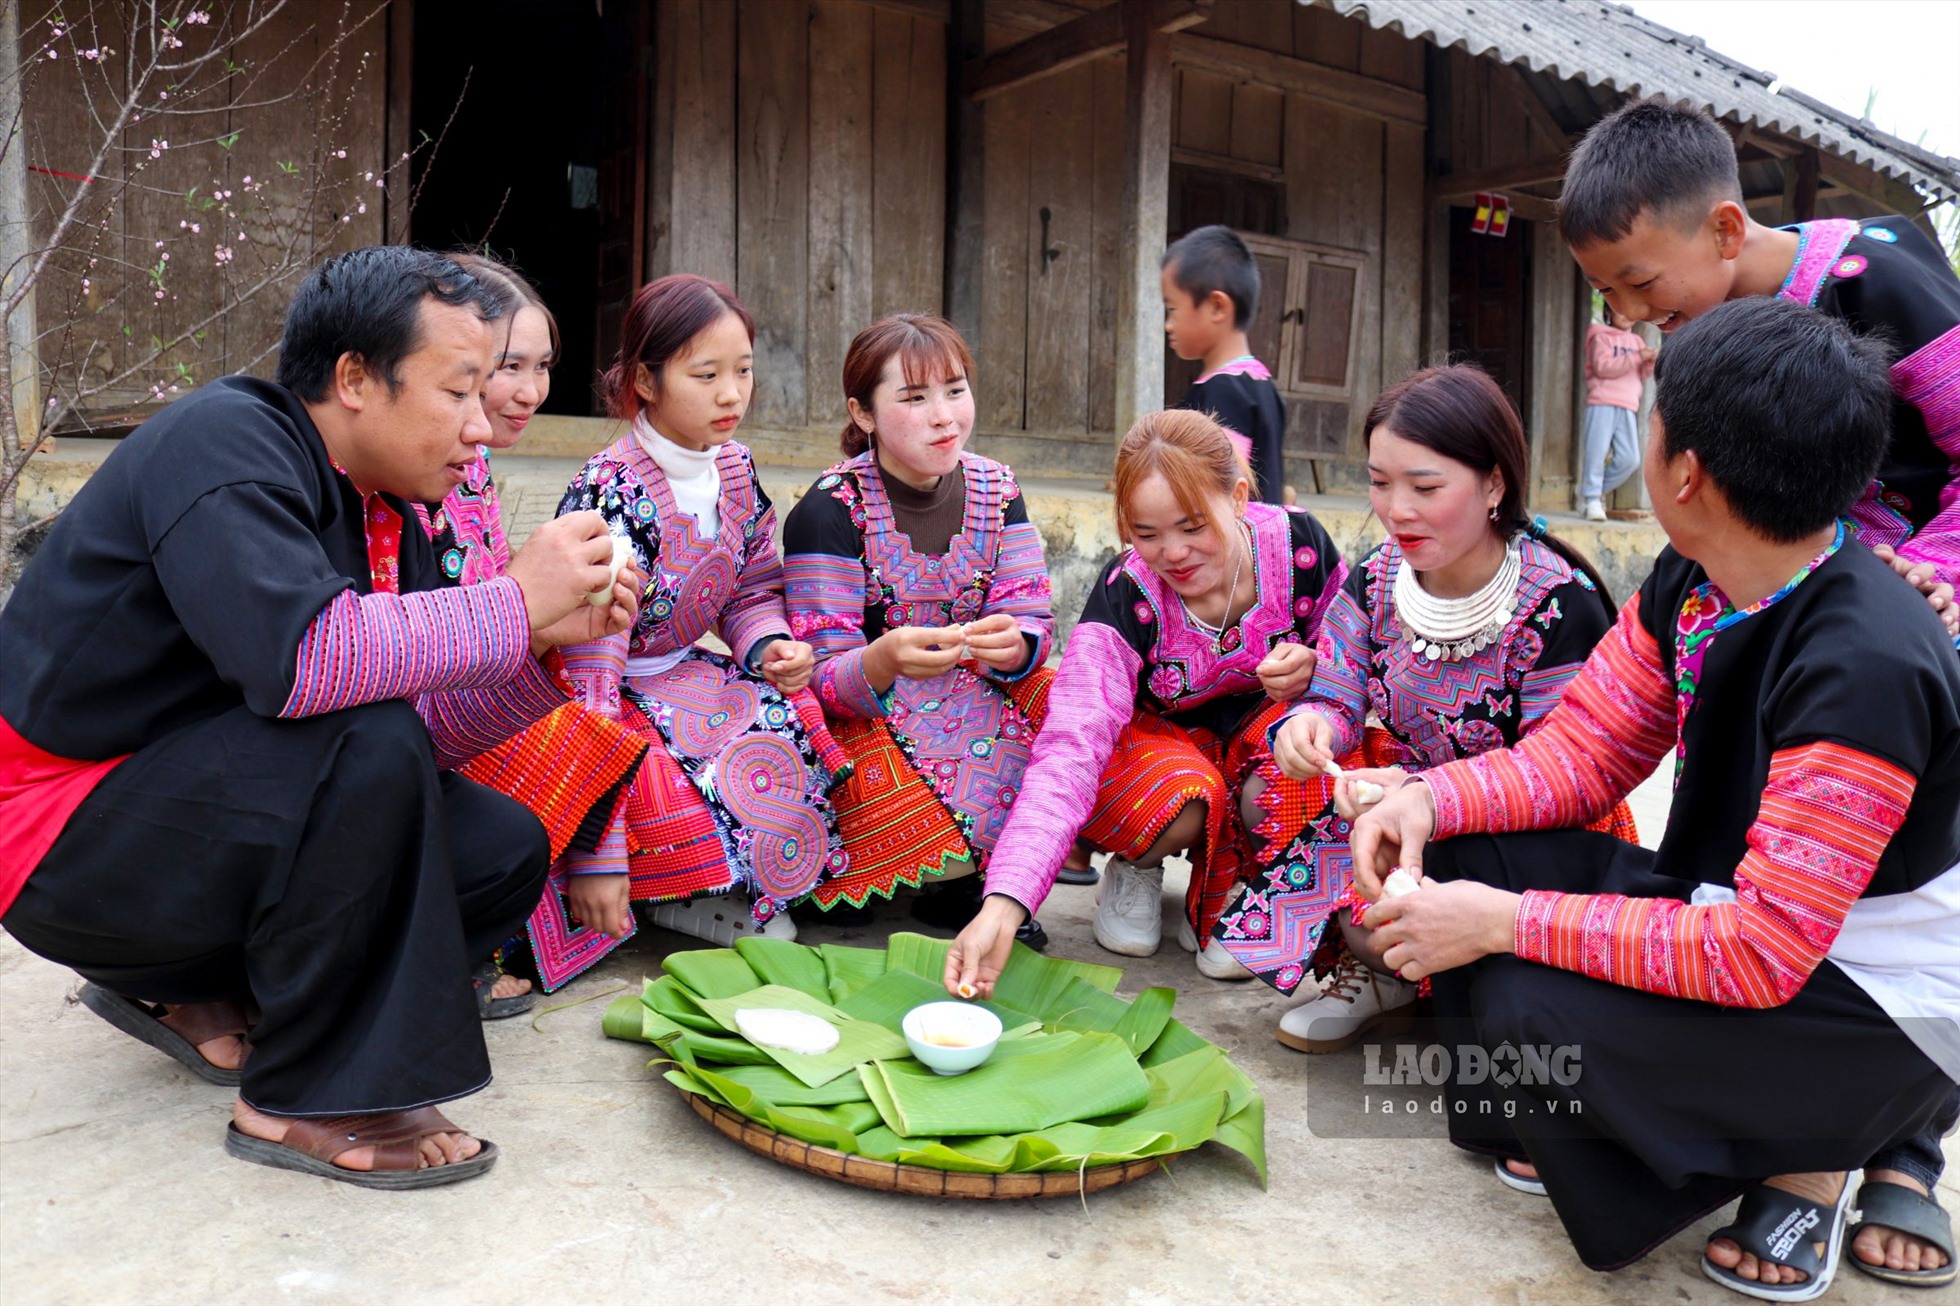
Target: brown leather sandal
312, 1144
176, 1031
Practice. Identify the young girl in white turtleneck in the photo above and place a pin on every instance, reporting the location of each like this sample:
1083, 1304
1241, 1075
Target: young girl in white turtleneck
728, 819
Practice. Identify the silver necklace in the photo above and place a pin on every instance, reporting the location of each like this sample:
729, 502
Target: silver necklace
1217, 633
1452, 629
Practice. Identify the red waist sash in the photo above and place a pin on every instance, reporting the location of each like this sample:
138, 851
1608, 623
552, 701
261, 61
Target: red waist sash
38, 793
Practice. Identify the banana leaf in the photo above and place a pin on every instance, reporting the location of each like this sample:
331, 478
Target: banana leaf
628, 1017
858, 1041
894, 1109
887, 999
775, 1085
669, 997
850, 969
712, 972
827, 1126
1031, 981
778, 961
1089, 1075
1144, 1020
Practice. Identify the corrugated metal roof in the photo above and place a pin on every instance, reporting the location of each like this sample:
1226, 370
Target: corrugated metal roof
1609, 45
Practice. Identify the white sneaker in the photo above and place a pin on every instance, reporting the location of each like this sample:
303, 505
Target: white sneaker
1214, 962
720, 920
1594, 510
1130, 909
1354, 1002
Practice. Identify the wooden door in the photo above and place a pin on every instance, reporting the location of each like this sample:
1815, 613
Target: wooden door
1490, 306
627, 54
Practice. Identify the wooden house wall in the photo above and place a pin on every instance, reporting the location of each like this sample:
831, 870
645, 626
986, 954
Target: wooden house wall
1351, 179
340, 106
799, 155
1489, 118
1046, 347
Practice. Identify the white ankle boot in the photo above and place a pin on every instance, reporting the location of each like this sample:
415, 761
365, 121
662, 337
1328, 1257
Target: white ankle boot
1130, 909
1354, 1002
720, 920
1214, 962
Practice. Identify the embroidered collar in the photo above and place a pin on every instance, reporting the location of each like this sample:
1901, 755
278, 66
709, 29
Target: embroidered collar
1818, 246
1243, 365
1706, 614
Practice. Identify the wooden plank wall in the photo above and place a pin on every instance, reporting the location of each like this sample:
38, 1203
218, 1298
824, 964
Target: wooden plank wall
1046, 347
1046, 366
1351, 181
341, 106
1491, 125
799, 153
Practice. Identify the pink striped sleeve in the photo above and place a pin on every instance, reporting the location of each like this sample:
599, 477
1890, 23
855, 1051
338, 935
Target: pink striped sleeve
1020, 587
465, 722
366, 648
1929, 380
756, 610
826, 597
1614, 724
1092, 699
1827, 813
611, 857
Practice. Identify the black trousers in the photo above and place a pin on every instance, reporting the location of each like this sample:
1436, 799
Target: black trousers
324, 869
1676, 1106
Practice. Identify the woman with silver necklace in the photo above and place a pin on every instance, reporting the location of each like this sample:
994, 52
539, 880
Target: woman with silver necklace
1456, 635
1191, 644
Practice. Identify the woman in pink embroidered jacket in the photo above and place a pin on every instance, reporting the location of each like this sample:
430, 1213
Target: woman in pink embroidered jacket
734, 794
570, 767
916, 575
1189, 647
1447, 461
467, 527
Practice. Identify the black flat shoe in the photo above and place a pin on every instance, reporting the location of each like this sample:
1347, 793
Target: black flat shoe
1087, 875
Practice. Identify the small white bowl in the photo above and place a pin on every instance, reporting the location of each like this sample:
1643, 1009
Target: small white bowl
976, 1028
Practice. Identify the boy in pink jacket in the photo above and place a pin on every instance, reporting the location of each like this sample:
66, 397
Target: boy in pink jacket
1617, 361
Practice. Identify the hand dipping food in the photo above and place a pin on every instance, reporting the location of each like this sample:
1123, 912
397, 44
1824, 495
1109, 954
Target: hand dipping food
951, 1037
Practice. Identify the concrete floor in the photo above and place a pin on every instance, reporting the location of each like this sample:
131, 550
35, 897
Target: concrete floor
114, 1189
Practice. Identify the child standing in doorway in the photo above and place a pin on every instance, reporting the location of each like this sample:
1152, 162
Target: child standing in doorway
1211, 292
1617, 361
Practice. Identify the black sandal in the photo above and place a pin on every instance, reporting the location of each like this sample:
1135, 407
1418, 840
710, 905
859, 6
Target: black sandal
1783, 1229
175, 1030
1894, 1206
483, 979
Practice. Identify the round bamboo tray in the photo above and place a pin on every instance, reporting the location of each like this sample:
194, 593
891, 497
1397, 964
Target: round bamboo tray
890, 1177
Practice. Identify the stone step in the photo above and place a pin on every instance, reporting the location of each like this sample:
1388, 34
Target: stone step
1076, 518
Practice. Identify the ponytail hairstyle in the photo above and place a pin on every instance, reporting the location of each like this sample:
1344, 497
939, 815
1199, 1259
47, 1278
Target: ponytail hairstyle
926, 345
505, 282
1460, 413
664, 316
1192, 452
